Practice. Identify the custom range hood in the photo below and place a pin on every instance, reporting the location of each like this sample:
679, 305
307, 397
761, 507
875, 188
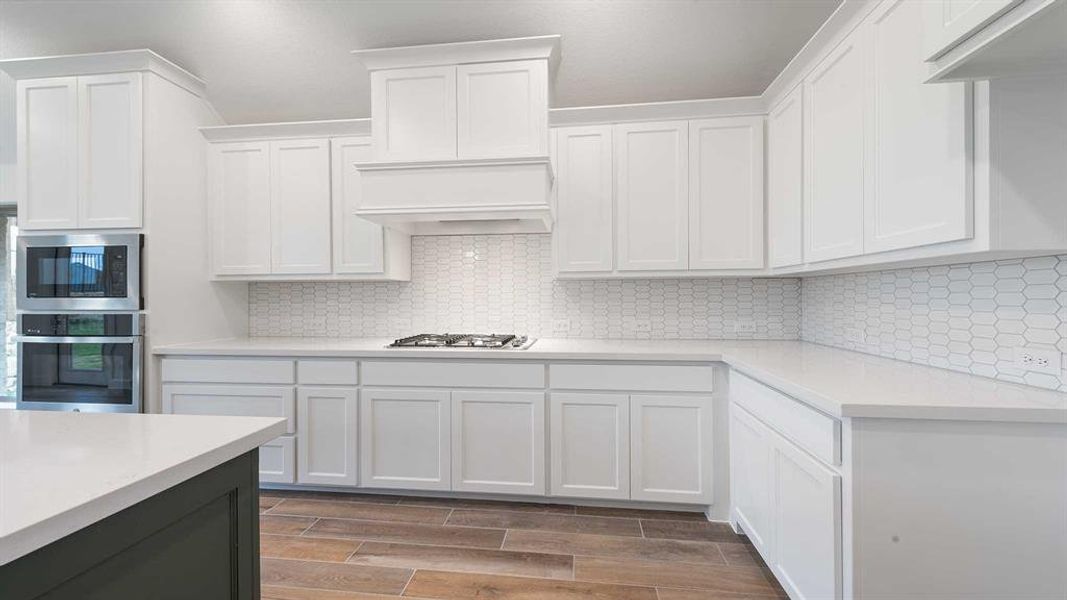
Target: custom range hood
460, 140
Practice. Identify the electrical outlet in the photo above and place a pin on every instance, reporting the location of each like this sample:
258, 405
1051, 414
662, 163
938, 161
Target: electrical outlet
643, 327
1039, 360
744, 326
561, 326
855, 336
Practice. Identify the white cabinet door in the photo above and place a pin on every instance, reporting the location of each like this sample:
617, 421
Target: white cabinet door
239, 191
405, 439
785, 181
726, 193
807, 524
498, 442
652, 191
750, 478
502, 109
583, 234
300, 206
414, 113
949, 22
47, 153
110, 134
326, 425
358, 244
835, 137
277, 461
590, 445
231, 400
919, 169
670, 448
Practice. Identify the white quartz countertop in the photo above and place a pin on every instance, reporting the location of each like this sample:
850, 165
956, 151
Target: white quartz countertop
63, 471
838, 382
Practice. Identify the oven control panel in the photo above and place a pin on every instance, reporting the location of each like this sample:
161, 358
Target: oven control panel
80, 324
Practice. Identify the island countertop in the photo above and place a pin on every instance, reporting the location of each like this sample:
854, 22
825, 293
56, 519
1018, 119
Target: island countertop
63, 471
838, 382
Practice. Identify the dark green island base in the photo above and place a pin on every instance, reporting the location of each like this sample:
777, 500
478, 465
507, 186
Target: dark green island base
198, 540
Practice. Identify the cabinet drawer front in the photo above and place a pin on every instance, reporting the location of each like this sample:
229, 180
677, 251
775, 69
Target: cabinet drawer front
806, 427
637, 378
454, 374
327, 372
277, 460
224, 370
232, 400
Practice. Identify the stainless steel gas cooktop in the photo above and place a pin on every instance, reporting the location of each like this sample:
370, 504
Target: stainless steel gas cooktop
465, 340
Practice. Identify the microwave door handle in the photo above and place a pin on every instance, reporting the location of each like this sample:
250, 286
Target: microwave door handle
77, 339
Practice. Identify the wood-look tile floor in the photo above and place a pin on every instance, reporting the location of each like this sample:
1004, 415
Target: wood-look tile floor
322, 546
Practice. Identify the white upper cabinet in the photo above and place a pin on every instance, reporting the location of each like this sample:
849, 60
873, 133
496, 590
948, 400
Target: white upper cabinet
502, 109
413, 113
918, 184
239, 192
835, 137
80, 152
300, 206
358, 244
785, 181
110, 137
48, 153
652, 195
949, 22
726, 193
584, 241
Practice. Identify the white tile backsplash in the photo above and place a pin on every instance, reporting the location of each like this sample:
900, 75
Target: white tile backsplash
505, 283
968, 317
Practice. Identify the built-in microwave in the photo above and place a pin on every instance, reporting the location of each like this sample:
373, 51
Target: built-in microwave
90, 362
79, 272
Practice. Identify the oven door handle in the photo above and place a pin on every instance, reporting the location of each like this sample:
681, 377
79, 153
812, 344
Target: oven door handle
78, 339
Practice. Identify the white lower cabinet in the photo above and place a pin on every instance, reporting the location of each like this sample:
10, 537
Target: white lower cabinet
807, 524
277, 462
590, 445
405, 439
670, 448
788, 503
498, 442
327, 427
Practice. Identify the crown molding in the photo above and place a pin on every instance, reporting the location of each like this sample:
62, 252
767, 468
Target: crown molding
657, 111
98, 63
545, 47
288, 130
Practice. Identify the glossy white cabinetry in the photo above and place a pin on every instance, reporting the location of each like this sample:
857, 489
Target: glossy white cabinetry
300, 206
726, 203
807, 523
327, 431
918, 152
110, 151
835, 139
79, 152
413, 113
239, 192
502, 109
284, 209
589, 450
949, 22
652, 196
785, 181
405, 439
670, 448
498, 442
584, 235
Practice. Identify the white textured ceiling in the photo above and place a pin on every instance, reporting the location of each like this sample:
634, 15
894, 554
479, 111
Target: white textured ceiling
268, 60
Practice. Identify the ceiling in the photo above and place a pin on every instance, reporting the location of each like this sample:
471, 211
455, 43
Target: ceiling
288, 60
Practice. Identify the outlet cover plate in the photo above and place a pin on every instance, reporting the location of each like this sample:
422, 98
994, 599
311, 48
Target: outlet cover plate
1039, 360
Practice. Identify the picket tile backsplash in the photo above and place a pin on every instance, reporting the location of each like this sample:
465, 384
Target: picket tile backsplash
505, 283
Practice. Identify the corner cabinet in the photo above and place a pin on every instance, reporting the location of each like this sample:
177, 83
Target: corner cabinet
284, 209
785, 181
79, 146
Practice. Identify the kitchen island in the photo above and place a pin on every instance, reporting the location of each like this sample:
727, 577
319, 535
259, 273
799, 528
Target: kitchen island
129, 505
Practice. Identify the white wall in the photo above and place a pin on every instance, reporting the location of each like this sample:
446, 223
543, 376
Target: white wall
7, 139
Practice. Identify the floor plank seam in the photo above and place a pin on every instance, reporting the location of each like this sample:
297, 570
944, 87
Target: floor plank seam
349, 557
309, 526
504, 540
641, 525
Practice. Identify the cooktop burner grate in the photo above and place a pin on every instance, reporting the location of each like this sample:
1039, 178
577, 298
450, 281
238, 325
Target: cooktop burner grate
462, 340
